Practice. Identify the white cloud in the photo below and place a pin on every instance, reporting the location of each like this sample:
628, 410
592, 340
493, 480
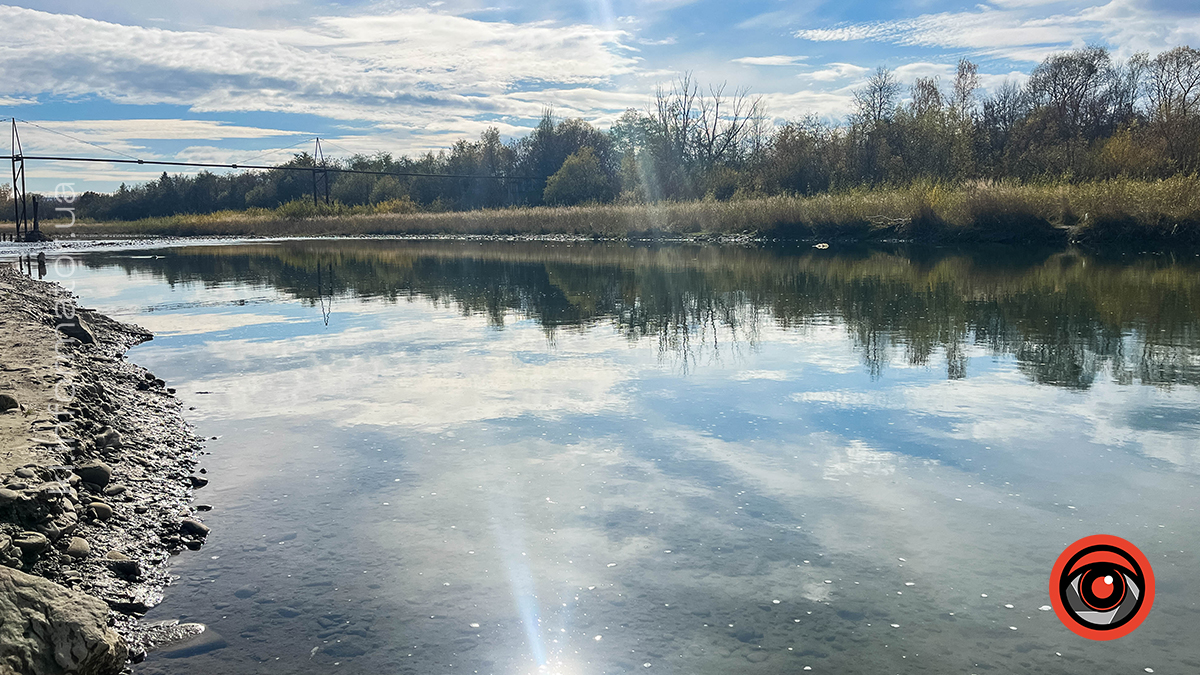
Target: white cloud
1017, 31
161, 129
779, 60
412, 63
911, 71
836, 71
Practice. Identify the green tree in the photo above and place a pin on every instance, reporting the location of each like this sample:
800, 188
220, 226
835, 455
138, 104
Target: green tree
580, 179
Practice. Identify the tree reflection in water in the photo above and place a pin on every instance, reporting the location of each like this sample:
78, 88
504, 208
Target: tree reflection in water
1067, 317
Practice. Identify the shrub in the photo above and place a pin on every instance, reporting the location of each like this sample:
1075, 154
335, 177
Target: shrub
580, 179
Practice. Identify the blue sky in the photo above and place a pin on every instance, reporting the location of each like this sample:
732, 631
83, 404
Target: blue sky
231, 80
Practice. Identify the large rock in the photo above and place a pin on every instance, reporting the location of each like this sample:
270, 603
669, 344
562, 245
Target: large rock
7, 403
76, 327
31, 543
46, 629
96, 473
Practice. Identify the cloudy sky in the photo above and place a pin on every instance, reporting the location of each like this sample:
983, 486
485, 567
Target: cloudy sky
244, 80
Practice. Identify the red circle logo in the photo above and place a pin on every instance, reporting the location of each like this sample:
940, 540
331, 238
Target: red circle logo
1102, 587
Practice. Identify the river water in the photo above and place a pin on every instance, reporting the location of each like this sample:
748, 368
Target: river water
527, 457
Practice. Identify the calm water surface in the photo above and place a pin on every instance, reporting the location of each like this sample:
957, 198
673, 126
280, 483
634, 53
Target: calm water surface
449, 457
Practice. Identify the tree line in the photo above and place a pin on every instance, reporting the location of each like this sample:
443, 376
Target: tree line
1081, 115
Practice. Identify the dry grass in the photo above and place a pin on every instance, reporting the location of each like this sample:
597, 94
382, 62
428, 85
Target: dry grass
1120, 210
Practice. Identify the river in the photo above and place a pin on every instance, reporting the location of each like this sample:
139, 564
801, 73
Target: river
584, 458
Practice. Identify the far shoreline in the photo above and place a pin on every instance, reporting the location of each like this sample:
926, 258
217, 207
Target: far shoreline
1119, 212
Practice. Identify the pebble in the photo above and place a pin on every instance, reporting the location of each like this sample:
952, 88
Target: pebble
122, 563
25, 472
245, 592
96, 473
203, 641
114, 490
194, 527
203, 507
7, 495
197, 481
31, 543
79, 548
289, 612
52, 492
100, 510
109, 439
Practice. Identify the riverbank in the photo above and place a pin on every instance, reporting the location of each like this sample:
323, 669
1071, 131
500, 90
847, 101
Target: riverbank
96, 464
1118, 211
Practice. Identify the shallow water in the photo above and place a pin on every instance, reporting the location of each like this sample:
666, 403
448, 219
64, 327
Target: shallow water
450, 457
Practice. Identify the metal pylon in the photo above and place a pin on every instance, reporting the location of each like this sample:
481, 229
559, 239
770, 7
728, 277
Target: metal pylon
320, 174
20, 214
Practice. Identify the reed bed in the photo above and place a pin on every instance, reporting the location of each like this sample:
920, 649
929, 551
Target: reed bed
1118, 210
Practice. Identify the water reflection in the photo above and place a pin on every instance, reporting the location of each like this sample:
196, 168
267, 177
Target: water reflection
1066, 317
483, 457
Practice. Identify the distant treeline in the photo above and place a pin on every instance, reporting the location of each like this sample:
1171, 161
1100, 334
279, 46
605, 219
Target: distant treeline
1081, 115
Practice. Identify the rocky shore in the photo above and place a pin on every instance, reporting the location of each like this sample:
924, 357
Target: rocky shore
97, 474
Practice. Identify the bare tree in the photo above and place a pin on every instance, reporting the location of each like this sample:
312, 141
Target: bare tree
1070, 85
725, 123
966, 81
926, 96
877, 100
1175, 83
676, 114
1174, 93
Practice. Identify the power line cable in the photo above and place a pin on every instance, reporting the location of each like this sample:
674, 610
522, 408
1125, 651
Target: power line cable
78, 140
267, 152
279, 167
339, 147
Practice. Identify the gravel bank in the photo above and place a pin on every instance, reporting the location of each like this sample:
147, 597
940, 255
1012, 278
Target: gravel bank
97, 466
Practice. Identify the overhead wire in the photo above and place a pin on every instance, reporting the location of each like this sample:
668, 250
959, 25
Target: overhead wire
77, 140
135, 160
267, 152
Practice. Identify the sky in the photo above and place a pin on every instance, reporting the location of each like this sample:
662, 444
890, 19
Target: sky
252, 81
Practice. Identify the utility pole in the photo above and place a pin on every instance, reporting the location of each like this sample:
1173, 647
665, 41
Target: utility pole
320, 173
20, 217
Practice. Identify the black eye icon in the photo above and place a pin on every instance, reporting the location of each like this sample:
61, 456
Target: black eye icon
1102, 587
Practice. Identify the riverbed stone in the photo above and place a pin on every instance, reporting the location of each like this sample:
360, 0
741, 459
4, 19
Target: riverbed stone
25, 472
109, 439
7, 495
202, 642
123, 564
75, 327
79, 548
7, 402
193, 527
46, 629
31, 543
96, 473
100, 510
